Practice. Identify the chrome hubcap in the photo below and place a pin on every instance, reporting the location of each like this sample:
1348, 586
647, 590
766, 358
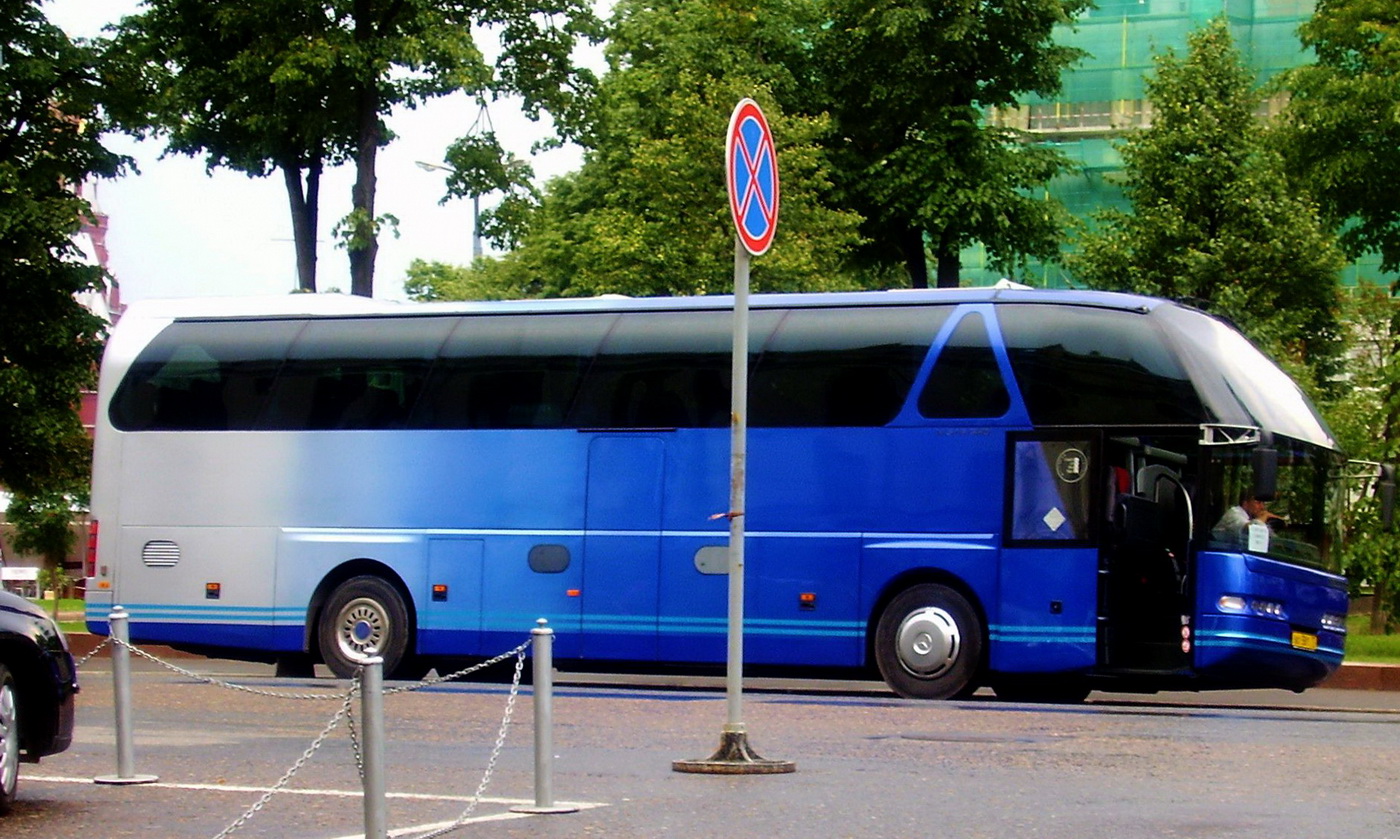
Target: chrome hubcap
9, 739
928, 642
360, 626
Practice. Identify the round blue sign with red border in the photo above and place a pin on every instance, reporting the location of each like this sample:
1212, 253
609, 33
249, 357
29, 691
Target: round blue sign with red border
751, 170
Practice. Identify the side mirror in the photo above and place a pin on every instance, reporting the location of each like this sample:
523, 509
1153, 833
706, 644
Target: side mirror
1385, 489
1265, 462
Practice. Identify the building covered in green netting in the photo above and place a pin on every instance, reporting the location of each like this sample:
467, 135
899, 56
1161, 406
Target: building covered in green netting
1103, 97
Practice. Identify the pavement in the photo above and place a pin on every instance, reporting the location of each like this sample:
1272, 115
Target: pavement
1351, 675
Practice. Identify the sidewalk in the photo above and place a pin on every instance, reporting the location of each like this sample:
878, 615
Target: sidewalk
1349, 677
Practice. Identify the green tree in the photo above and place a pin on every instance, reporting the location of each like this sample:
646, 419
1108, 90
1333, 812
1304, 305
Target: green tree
1341, 134
909, 84
488, 279
44, 525
1365, 416
647, 213
300, 84
1213, 219
49, 344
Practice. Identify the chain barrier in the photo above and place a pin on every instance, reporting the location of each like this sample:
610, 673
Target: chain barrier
301, 761
106, 642
346, 713
495, 751
210, 680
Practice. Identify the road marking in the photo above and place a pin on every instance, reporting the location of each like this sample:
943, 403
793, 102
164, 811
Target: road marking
329, 793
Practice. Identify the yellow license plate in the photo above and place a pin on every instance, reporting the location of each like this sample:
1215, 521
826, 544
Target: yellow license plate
1304, 641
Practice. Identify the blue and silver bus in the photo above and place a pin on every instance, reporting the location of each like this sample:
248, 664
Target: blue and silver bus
1037, 491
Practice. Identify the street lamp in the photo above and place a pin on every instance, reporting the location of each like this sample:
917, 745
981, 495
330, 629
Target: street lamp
476, 205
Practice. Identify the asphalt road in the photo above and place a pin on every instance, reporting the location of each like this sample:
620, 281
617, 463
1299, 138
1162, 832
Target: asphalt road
1257, 764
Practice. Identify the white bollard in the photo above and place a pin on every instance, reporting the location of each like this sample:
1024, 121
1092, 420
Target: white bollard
121, 698
542, 640
372, 713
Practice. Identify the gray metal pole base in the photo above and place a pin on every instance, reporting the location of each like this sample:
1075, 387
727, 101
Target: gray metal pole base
543, 811
130, 780
734, 757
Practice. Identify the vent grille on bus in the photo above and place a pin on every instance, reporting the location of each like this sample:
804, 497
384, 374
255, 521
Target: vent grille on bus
160, 554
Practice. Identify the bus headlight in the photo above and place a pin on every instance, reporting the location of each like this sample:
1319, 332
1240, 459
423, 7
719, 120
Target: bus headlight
1252, 606
1334, 623
1231, 603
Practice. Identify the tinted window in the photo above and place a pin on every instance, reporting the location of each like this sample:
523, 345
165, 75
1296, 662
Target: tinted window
511, 372
1077, 365
835, 367
965, 381
354, 373
665, 370
203, 376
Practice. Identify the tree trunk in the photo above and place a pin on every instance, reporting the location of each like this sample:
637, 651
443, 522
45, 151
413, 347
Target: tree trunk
364, 241
1379, 613
949, 261
303, 204
911, 244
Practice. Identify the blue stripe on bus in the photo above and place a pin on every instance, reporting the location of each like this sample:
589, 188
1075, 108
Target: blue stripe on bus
1233, 640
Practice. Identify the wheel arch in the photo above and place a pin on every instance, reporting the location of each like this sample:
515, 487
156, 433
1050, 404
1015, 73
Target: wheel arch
361, 567
914, 577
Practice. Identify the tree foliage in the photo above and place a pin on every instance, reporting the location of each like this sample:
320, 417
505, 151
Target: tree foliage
1342, 136
647, 214
297, 85
49, 344
1366, 420
1213, 220
908, 84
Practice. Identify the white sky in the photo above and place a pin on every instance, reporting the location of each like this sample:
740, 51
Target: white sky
175, 231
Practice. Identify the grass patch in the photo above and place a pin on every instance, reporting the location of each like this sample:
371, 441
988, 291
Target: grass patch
1363, 647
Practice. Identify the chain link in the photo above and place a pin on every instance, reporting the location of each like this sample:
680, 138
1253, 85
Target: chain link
78, 665
495, 751
296, 767
210, 680
346, 712
464, 672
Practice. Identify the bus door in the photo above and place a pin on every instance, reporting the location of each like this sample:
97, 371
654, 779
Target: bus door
1046, 617
1145, 566
622, 547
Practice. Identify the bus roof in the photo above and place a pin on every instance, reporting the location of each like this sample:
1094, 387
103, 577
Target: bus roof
340, 305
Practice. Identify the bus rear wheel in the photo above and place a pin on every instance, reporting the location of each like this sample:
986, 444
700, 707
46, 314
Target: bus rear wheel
928, 643
363, 613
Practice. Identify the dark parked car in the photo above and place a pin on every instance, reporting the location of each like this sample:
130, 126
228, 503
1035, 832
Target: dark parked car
37, 684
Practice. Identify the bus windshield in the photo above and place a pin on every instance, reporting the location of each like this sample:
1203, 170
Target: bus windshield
1292, 526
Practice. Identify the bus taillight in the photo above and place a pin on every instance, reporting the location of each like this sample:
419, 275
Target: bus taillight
92, 549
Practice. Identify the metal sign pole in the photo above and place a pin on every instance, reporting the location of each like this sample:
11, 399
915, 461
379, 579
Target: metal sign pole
734, 756
738, 480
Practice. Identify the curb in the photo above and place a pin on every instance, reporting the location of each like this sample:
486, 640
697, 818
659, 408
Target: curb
82, 643
1365, 677
1348, 676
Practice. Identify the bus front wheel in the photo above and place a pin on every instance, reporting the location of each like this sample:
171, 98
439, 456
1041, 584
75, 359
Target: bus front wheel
363, 613
928, 643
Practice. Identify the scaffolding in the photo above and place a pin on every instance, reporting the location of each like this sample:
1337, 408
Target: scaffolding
1103, 97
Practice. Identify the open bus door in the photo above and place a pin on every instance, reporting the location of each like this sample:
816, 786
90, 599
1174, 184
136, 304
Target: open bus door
1145, 565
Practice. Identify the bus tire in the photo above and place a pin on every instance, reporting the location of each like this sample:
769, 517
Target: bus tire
928, 643
363, 612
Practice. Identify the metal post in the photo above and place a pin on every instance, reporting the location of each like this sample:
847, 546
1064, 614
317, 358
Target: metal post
372, 714
121, 699
738, 483
542, 670
734, 755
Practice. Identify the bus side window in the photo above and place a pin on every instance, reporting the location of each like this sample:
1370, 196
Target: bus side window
828, 367
354, 373
965, 382
202, 376
663, 370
